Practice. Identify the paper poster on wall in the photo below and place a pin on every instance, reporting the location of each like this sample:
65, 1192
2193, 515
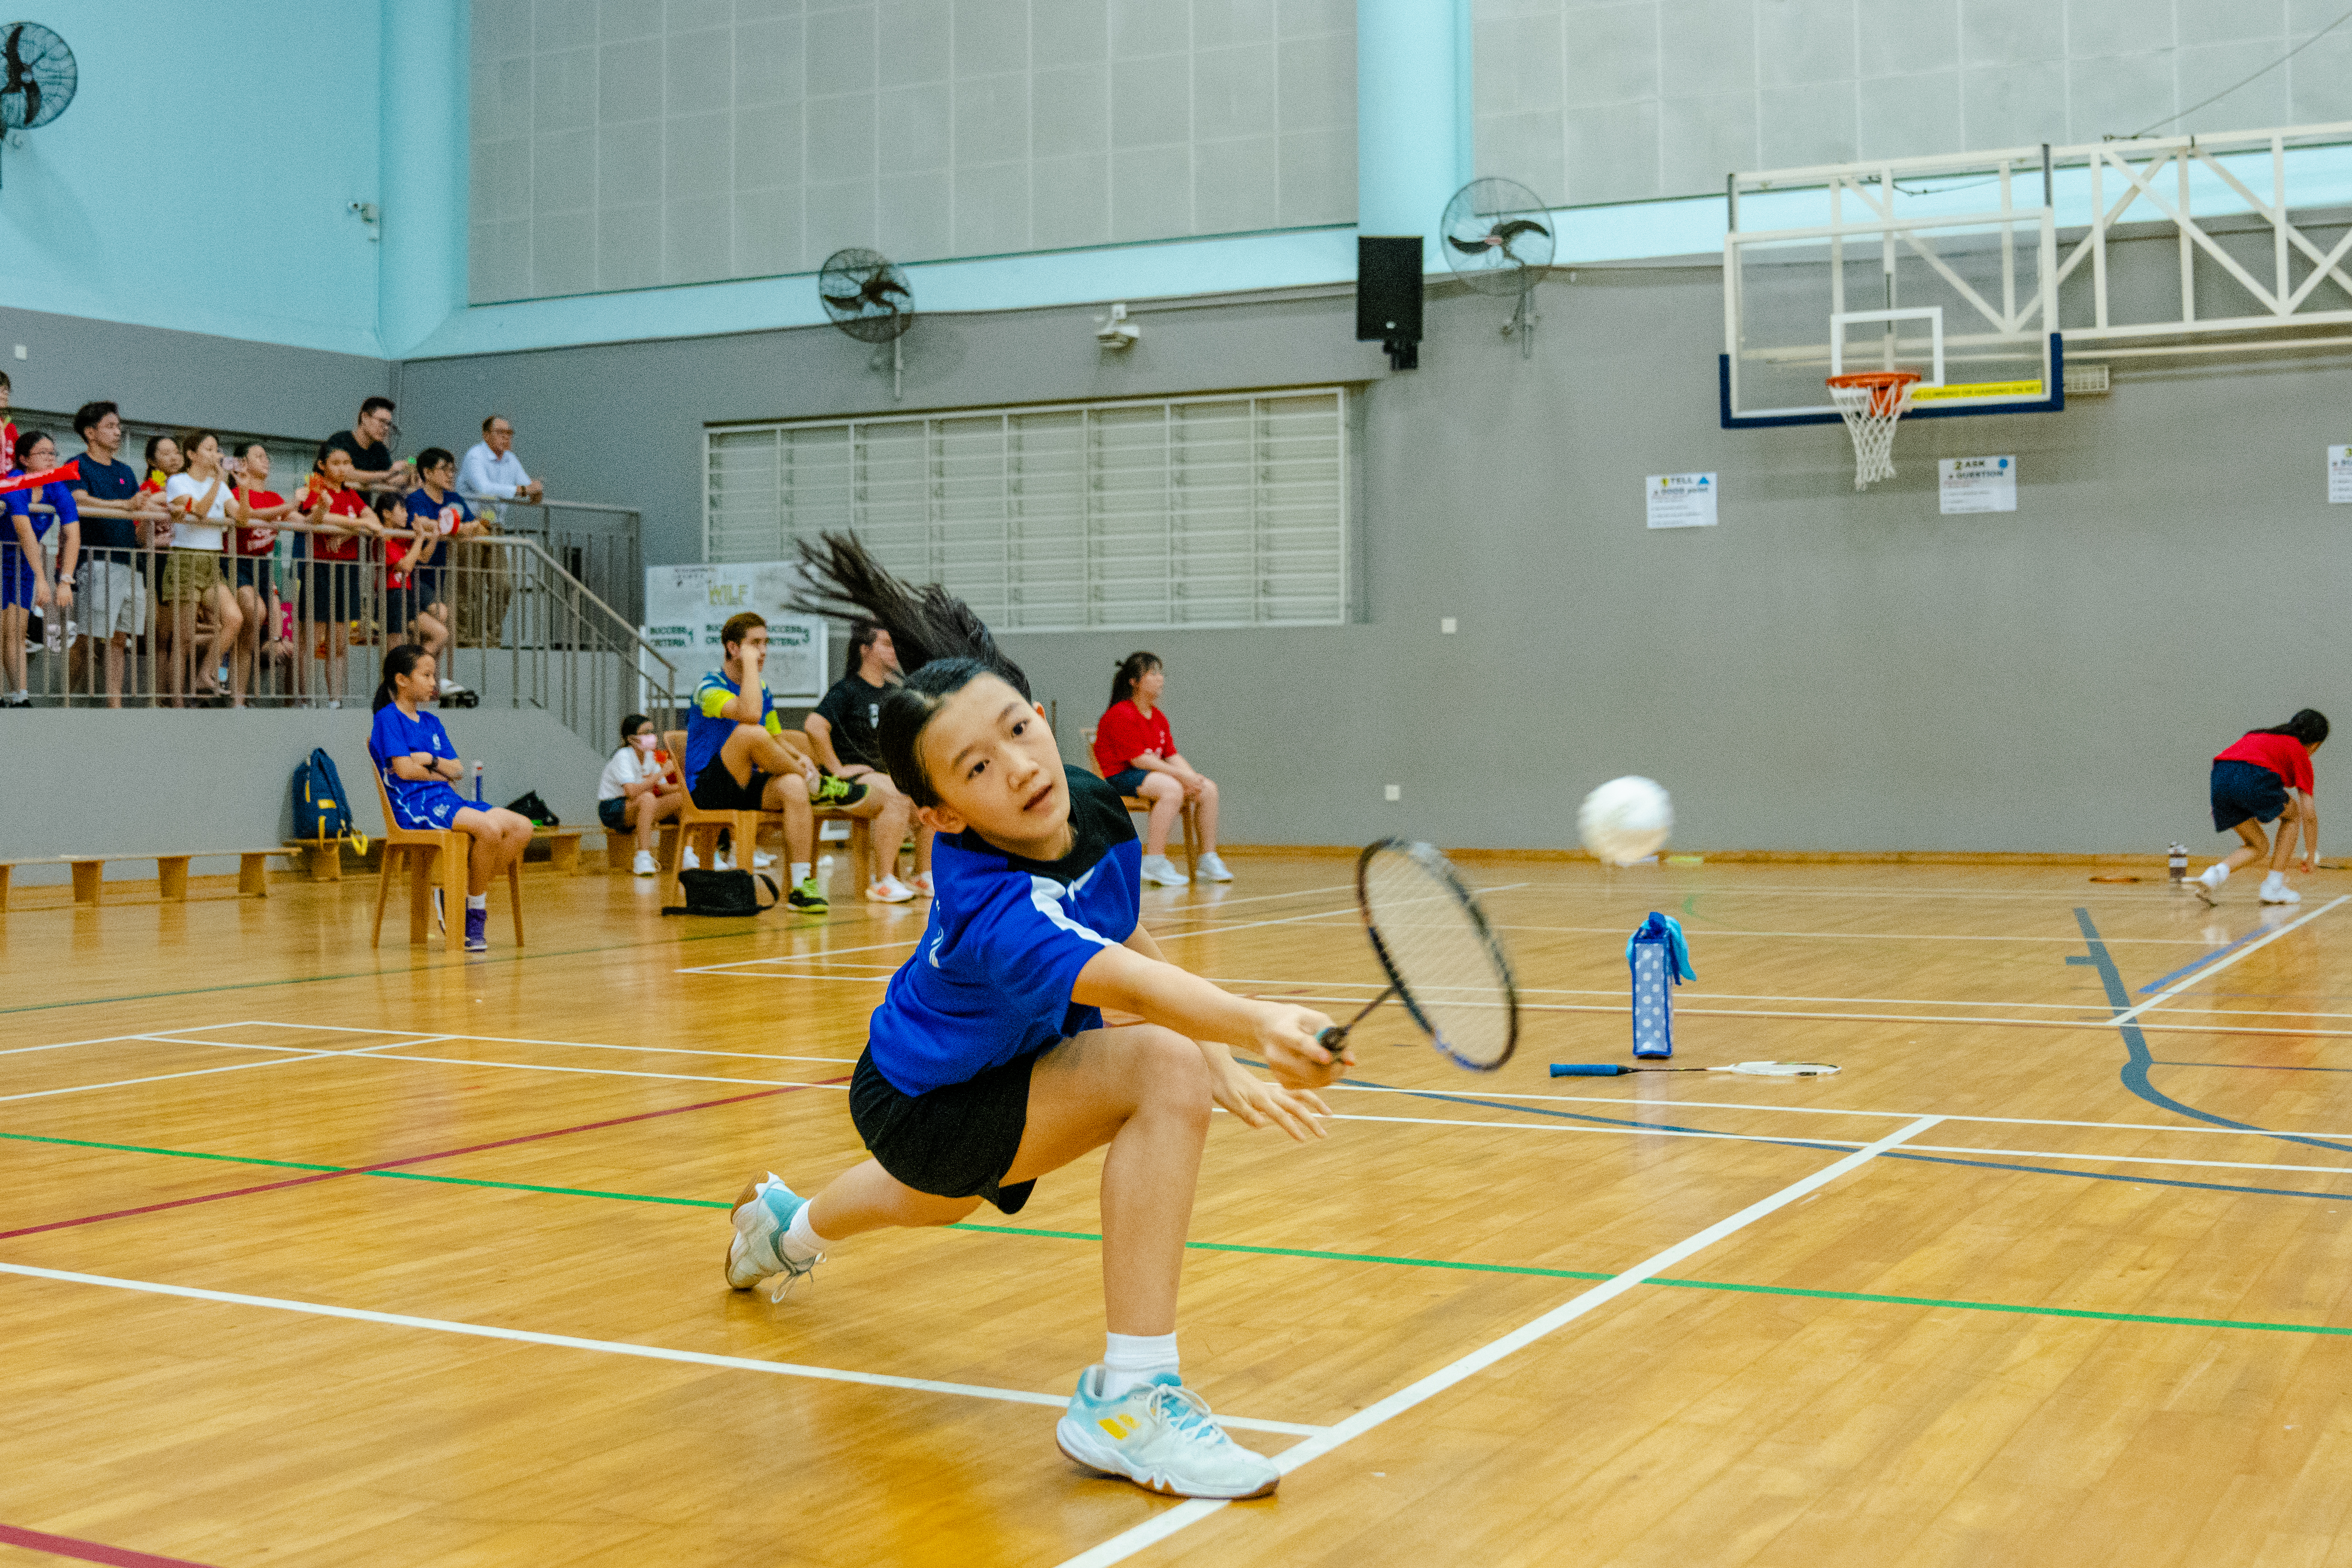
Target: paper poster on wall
2339, 473
685, 607
1681, 501
1977, 484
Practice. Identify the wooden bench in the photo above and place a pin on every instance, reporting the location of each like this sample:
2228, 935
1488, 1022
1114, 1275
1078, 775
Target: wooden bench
171, 873
621, 846
323, 857
562, 847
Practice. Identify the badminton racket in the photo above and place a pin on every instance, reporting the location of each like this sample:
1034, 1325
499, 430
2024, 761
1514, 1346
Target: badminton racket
1442, 960
1753, 1069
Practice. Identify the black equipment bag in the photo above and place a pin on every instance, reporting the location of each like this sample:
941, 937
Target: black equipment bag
723, 893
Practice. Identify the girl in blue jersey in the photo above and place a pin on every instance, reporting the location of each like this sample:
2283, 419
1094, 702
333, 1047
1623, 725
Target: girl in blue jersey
419, 768
988, 1064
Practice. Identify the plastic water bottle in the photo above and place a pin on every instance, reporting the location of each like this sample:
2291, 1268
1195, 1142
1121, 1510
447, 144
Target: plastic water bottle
477, 785
2178, 862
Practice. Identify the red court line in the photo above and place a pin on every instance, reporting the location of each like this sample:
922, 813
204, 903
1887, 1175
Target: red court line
88, 1551
412, 1160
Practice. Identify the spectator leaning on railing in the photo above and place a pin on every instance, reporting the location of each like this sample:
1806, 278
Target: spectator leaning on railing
331, 596
24, 572
257, 567
115, 519
373, 467
438, 510
492, 473
7, 428
203, 501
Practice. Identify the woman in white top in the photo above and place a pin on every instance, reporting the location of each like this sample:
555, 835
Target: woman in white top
202, 499
637, 791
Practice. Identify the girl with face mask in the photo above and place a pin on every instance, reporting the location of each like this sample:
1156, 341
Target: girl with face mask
635, 792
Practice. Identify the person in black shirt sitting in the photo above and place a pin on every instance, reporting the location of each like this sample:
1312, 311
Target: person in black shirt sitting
841, 734
372, 464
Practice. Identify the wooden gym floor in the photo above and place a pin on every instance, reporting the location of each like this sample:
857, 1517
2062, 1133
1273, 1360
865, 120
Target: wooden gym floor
316, 1255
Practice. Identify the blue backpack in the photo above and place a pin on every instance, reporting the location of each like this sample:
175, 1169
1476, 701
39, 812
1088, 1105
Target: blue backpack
321, 810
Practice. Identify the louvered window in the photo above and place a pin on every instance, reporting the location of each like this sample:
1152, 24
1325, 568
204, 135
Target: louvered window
1198, 511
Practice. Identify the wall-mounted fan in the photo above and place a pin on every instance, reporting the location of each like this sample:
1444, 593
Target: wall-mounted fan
37, 75
867, 296
1499, 236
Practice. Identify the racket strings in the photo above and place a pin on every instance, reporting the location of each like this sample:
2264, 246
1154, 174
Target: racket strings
1444, 961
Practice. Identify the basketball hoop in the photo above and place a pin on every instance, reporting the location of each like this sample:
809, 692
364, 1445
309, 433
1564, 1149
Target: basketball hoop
1871, 401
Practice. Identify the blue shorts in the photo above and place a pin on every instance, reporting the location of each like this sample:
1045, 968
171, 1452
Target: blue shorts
425, 805
258, 572
613, 814
2245, 792
17, 583
1129, 780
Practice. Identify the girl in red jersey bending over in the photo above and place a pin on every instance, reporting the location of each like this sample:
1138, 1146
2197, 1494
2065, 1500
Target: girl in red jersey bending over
2266, 776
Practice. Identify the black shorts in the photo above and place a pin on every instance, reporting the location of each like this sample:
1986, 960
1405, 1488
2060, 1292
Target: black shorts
613, 814
715, 789
955, 1141
2244, 790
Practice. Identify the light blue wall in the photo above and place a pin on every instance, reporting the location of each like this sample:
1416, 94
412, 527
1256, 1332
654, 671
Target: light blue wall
202, 178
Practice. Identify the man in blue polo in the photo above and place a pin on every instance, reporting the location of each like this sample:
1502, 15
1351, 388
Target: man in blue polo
115, 524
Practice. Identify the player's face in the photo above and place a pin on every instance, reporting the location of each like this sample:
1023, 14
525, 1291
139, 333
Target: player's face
417, 685
256, 462
988, 753
40, 456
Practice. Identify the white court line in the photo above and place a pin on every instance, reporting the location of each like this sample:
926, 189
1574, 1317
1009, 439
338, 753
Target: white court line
198, 1072
651, 1050
61, 1045
1208, 910
269, 1024
1120, 1547
1711, 933
2211, 970
1300, 920
608, 1072
607, 1347
798, 957
297, 1050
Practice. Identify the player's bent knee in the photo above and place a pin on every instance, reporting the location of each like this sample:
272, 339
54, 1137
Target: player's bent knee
1174, 1074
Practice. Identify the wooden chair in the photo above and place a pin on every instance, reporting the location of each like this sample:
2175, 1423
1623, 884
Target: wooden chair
861, 830
434, 854
1188, 816
699, 830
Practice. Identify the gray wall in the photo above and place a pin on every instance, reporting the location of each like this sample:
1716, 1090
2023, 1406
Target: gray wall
111, 798
1825, 671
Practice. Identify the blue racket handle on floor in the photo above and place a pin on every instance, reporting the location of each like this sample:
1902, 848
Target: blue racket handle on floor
1587, 1069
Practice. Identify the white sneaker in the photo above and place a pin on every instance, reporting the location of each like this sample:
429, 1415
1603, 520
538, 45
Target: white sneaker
723, 861
1159, 872
1160, 1437
890, 891
689, 861
757, 1249
2276, 891
921, 884
1213, 870
762, 859
2207, 884
644, 864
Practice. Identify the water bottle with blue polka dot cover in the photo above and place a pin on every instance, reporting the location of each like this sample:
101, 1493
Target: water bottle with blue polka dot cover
1659, 962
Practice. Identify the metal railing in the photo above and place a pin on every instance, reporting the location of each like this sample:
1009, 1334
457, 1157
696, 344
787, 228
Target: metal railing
304, 621
597, 543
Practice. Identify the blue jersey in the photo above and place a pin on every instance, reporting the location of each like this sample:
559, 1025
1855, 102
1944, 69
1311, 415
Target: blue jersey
53, 495
1006, 940
396, 735
707, 729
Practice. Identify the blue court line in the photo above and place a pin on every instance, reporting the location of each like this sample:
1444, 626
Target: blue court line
2248, 1067
2201, 963
2139, 1058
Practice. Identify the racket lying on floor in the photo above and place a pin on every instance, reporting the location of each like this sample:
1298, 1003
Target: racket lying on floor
1442, 960
1753, 1069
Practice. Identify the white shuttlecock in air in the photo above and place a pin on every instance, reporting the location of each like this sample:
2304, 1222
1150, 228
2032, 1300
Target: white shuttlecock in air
1625, 819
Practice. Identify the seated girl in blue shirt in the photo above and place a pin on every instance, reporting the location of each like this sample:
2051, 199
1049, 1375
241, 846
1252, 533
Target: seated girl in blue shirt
988, 1064
419, 768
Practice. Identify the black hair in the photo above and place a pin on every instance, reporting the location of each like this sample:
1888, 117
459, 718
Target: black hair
26, 442
2309, 725
156, 440
244, 449
385, 500
369, 405
1131, 669
942, 646
87, 416
629, 725
398, 660
433, 458
862, 633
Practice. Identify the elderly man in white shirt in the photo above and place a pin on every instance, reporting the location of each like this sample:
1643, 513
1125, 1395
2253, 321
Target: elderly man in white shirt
491, 472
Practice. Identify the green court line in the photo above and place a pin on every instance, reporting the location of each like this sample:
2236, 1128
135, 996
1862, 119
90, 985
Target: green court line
1310, 1253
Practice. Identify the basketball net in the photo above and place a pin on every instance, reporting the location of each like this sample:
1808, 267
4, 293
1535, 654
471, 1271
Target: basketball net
1871, 401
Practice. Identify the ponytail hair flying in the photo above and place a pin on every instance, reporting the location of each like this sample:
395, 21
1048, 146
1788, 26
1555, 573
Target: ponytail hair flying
2309, 725
399, 660
942, 646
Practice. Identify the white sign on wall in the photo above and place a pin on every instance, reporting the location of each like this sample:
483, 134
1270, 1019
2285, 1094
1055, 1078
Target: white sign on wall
2339, 473
1977, 484
1681, 501
687, 605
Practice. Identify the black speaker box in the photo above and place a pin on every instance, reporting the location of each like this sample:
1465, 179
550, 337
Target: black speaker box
1388, 294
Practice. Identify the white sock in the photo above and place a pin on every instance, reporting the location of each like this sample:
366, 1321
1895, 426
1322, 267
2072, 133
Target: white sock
478, 900
800, 872
2216, 873
2274, 880
1130, 1361
802, 1242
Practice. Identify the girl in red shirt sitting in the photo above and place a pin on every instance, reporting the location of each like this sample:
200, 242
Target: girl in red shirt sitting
1135, 751
2266, 775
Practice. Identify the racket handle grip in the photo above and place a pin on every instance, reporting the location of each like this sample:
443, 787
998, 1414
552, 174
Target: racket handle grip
1331, 1038
1587, 1069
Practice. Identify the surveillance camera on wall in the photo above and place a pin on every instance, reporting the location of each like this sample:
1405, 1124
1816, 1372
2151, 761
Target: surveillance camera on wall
1115, 330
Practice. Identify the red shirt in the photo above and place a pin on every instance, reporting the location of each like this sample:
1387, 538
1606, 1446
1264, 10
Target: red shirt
7, 446
1125, 734
345, 502
2283, 755
258, 540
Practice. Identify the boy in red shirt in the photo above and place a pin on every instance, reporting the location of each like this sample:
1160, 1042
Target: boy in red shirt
2266, 775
